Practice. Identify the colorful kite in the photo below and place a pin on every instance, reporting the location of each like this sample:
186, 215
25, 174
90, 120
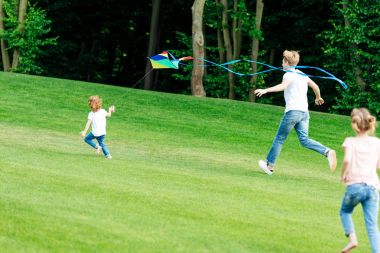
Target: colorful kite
162, 61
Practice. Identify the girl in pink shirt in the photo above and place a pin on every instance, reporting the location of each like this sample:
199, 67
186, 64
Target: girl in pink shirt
361, 160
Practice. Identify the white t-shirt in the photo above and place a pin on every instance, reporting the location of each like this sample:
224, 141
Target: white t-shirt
98, 122
296, 93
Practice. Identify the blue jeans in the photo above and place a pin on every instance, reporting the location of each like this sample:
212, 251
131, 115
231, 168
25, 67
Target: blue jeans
89, 140
298, 120
368, 196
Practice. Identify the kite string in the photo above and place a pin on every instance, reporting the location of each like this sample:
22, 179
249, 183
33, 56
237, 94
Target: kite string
116, 101
142, 77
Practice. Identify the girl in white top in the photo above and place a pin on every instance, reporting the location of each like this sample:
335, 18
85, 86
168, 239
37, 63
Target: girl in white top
361, 160
97, 119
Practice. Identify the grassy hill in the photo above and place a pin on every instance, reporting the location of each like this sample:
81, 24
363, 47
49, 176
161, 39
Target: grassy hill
183, 178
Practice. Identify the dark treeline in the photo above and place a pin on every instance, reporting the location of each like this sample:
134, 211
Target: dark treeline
108, 42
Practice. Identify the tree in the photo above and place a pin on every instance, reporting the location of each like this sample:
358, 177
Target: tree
232, 37
4, 46
22, 34
224, 32
255, 46
198, 48
353, 47
153, 42
20, 30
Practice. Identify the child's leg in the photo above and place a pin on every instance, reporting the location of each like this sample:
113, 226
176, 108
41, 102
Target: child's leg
89, 140
370, 210
353, 243
287, 123
100, 139
351, 199
302, 129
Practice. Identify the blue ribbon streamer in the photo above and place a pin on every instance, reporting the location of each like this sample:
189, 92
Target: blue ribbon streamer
271, 68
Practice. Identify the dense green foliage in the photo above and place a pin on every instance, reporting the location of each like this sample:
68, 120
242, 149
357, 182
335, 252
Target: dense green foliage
32, 41
183, 177
352, 49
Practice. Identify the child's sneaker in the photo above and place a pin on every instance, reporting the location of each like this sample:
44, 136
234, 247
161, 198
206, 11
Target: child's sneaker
109, 157
264, 166
98, 149
331, 158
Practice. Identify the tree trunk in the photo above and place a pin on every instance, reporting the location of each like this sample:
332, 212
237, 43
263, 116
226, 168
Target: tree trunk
255, 48
219, 35
271, 56
153, 39
198, 48
228, 47
232, 36
4, 51
222, 58
21, 28
236, 33
354, 60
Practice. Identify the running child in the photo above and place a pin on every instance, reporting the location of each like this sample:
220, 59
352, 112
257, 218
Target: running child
361, 159
97, 120
295, 86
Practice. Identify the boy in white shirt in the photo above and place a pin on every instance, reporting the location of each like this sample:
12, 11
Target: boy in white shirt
295, 85
97, 119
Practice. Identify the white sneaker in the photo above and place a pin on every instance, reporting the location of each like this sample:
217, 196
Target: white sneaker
109, 157
331, 158
264, 166
98, 149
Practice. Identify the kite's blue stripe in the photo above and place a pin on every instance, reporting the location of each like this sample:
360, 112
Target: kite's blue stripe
271, 68
158, 57
172, 56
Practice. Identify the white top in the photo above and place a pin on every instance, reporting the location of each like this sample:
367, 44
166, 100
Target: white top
296, 93
364, 158
98, 122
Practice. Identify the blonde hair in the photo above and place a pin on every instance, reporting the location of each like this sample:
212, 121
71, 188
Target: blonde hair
95, 103
362, 121
292, 57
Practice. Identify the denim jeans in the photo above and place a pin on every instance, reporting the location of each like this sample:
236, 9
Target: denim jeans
298, 120
89, 140
368, 196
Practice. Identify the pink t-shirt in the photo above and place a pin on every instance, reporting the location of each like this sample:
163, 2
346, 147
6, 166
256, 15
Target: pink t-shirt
363, 153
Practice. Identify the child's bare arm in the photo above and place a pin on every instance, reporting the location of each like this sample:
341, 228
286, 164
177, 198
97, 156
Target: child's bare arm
318, 99
345, 163
83, 133
110, 111
279, 87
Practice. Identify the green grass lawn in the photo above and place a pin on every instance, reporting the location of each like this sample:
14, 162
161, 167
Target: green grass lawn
183, 178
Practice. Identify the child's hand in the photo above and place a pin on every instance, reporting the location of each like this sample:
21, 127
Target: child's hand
260, 92
319, 101
112, 109
82, 134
